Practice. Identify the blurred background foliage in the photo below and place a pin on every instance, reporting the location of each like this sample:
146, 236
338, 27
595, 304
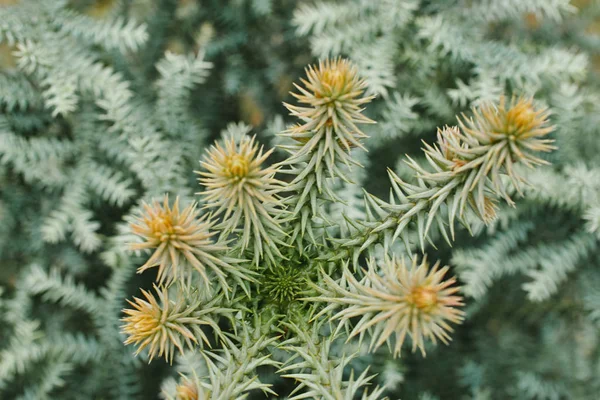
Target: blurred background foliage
104, 103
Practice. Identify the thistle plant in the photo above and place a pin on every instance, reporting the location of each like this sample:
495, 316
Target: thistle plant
280, 281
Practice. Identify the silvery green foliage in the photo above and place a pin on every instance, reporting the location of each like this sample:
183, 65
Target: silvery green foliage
80, 143
96, 140
524, 273
44, 359
442, 56
101, 108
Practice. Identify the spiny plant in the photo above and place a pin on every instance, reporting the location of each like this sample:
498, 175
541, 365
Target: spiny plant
265, 268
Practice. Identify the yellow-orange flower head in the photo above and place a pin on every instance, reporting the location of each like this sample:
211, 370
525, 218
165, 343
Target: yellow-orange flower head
332, 80
487, 145
234, 177
161, 328
517, 124
431, 302
237, 166
241, 192
181, 240
334, 94
415, 301
191, 390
